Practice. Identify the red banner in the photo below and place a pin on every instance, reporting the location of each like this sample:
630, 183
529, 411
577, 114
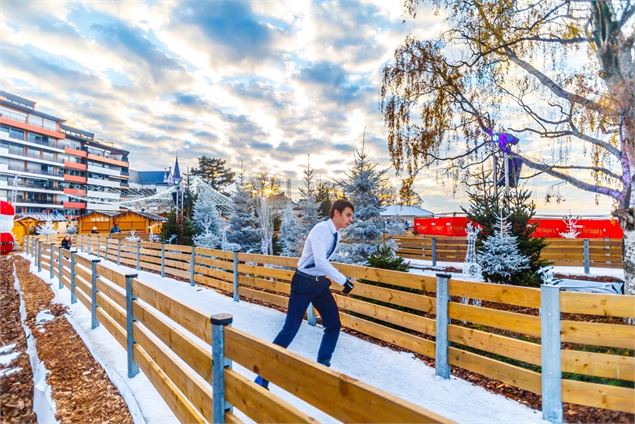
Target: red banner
547, 227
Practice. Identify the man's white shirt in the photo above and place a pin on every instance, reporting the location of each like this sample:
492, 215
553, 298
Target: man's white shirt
316, 246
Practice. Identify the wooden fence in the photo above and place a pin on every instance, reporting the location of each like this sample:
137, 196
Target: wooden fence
492, 330
181, 364
602, 253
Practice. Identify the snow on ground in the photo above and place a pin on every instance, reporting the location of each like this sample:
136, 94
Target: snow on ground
43, 403
399, 373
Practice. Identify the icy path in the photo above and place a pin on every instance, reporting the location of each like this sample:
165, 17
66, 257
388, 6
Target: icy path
396, 372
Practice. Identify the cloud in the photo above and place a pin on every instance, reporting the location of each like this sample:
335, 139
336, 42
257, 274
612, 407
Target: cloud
334, 82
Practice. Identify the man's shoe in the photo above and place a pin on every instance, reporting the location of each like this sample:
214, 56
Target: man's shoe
262, 382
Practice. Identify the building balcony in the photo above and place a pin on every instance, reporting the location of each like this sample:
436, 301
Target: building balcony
40, 145
4, 119
74, 205
102, 194
75, 191
104, 171
103, 159
35, 173
35, 204
103, 183
75, 165
74, 179
101, 207
75, 152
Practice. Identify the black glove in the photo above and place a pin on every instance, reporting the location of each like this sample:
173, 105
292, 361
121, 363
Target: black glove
348, 286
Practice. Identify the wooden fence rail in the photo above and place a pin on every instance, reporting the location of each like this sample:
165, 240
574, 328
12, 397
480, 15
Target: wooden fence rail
602, 253
493, 330
151, 326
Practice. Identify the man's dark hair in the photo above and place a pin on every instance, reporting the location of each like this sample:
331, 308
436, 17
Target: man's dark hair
340, 205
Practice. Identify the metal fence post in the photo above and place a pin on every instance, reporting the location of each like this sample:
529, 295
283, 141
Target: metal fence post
60, 268
219, 363
51, 267
118, 251
587, 258
138, 254
192, 264
133, 368
97, 246
73, 298
235, 270
162, 259
434, 251
442, 367
39, 255
106, 253
93, 294
551, 374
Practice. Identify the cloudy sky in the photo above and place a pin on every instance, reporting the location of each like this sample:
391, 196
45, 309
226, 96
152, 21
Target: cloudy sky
259, 83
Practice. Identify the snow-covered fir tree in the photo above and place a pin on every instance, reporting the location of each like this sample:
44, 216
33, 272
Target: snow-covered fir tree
243, 225
499, 256
364, 189
291, 234
207, 220
71, 228
46, 229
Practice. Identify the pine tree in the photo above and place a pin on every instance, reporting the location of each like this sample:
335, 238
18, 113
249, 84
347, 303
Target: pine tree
365, 188
485, 203
206, 220
243, 228
500, 257
384, 257
214, 171
172, 233
46, 229
291, 235
308, 204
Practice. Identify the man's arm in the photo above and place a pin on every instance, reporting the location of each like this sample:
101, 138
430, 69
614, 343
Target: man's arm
319, 245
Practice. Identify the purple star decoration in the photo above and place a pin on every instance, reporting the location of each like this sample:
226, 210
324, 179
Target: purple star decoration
505, 141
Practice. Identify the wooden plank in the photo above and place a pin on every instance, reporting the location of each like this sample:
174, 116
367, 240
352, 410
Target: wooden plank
212, 272
151, 245
281, 274
597, 304
403, 319
172, 396
177, 256
338, 395
260, 404
262, 296
262, 284
501, 371
598, 334
194, 320
390, 335
500, 293
198, 394
599, 395
111, 275
110, 290
271, 260
395, 278
178, 247
218, 263
396, 297
197, 357
214, 283
149, 259
177, 273
214, 252
118, 332
495, 318
177, 264
598, 364
152, 267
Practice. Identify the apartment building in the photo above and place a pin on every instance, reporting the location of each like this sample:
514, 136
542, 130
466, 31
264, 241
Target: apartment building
46, 165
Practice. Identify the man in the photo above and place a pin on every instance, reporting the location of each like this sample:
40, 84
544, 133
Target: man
311, 285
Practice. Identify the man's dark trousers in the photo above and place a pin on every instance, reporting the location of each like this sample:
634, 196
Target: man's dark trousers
307, 289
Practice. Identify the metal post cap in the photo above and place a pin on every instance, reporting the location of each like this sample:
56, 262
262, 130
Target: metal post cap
442, 275
221, 319
131, 275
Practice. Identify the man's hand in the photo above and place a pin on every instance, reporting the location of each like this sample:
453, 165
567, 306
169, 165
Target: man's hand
348, 286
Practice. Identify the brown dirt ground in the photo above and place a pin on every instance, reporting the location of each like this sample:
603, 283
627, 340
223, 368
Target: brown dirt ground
80, 387
16, 390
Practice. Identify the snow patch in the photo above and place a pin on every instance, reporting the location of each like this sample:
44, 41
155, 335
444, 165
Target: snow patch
7, 348
43, 316
8, 371
43, 403
7, 358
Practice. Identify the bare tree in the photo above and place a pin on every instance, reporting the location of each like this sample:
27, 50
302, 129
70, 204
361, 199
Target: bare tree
555, 71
